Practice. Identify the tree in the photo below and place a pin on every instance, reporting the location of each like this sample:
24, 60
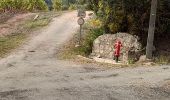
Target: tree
132, 16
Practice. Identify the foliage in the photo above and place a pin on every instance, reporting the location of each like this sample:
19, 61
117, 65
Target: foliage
86, 47
87, 43
37, 23
57, 4
22, 5
10, 42
72, 7
81, 1
95, 23
89, 35
36, 5
64, 7
162, 60
132, 16
21, 31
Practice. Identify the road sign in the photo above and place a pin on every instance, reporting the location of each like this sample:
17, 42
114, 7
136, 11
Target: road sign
82, 13
80, 21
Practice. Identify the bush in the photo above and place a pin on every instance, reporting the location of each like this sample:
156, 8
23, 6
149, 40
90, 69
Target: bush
162, 60
95, 23
87, 43
22, 5
57, 4
64, 7
72, 7
87, 6
36, 5
132, 16
93, 30
10, 42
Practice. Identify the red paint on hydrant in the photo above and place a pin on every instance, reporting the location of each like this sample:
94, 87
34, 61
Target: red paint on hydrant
117, 47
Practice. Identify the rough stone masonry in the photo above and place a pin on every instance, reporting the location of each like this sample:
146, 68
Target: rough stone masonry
103, 46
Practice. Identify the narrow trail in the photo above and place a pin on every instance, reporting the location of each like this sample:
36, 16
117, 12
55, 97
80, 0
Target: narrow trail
34, 73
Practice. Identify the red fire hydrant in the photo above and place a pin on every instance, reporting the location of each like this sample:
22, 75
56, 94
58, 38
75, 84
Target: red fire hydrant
117, 47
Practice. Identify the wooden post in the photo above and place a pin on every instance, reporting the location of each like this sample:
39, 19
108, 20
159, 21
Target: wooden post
149, 48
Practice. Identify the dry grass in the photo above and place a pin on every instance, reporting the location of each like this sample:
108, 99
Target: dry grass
162, 60
10, 42
13, 40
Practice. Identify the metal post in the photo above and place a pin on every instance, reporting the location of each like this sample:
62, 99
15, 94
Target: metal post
80, 35
80, 22
149, 48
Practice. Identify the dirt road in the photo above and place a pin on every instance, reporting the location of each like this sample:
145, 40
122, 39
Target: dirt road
34, 73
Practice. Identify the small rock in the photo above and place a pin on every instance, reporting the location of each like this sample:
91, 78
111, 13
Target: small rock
36, 17
31, 51
165, 68
84, 58
10, 65
149, 63
142, 58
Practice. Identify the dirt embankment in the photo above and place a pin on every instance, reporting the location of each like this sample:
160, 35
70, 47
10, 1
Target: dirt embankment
12, 23
15, 28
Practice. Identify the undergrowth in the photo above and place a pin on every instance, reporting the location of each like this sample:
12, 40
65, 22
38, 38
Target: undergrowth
90, 33
10, 42
21, 5
162, 60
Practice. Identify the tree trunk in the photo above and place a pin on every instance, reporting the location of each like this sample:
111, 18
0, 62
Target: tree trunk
149, 48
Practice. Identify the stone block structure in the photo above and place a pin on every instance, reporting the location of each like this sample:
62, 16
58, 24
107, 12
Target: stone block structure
103, 46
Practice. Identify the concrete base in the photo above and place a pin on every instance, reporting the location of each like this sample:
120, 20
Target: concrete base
101, 60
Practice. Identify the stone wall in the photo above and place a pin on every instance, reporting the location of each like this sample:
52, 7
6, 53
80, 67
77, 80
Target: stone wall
103, 46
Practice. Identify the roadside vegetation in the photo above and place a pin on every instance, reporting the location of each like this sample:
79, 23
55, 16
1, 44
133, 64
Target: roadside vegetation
116, 16
162, 59
43, 19
111, 17
21, 5
22, 31
12, 8
37, 5
132, 16
10, 42
91, 30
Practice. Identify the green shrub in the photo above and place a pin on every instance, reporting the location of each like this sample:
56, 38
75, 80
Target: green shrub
72, 7
36, 5
132, 16
162, 60
10, 42
65, 7
87, 42
22, 5
87, 6
57, 4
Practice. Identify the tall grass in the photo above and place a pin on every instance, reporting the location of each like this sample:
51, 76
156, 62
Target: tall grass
33, 5
21, 5
57, 4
